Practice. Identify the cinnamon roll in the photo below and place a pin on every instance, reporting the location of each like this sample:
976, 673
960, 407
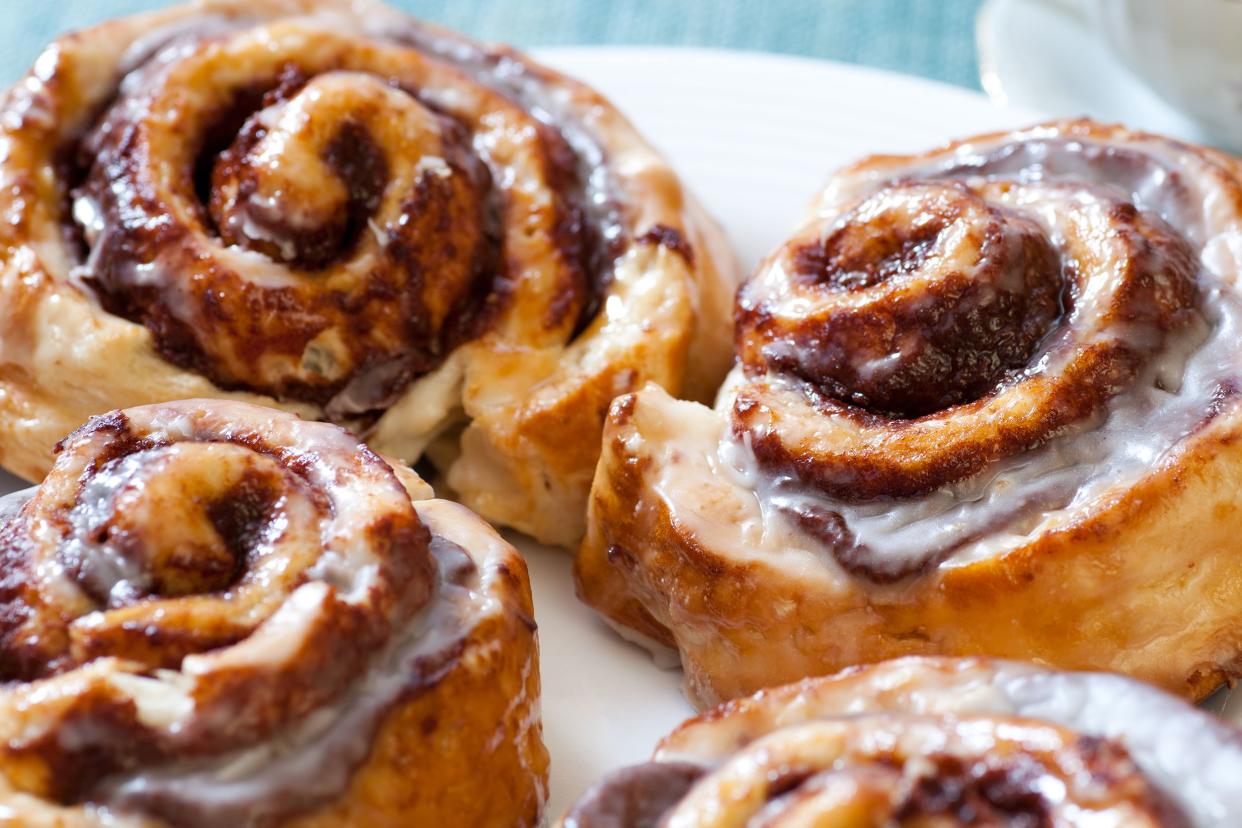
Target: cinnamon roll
213, 613
329, 207
985, 403
935, 742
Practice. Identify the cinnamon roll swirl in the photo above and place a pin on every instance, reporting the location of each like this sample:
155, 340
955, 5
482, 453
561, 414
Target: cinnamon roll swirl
985, 403
213, 613
935, 742
326, 206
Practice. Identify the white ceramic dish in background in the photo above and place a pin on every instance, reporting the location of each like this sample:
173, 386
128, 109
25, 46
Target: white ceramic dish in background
1188, 52
1035, 54
754, 136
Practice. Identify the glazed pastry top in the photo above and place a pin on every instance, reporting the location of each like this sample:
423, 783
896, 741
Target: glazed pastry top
209, 608
329, 207
315, 207
950, 741
970, 347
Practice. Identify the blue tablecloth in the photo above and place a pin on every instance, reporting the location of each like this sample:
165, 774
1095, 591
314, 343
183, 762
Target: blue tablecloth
932, 38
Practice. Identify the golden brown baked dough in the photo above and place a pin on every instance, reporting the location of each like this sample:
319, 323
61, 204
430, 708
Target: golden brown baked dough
986, 404
935, 742
327, 206
213, 613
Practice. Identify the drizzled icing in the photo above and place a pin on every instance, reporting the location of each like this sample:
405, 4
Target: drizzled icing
227, 214
313, 761
153, 681
372, 131
1189, 757
1016, 497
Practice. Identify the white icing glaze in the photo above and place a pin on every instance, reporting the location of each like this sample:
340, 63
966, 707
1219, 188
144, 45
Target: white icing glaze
1027, 494
1188, 754
332, 561
151, 58
112, 572
314, 759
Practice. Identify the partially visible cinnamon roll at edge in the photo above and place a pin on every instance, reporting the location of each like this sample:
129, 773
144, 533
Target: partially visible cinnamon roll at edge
986, 403
933, 741
327, 206
213, 613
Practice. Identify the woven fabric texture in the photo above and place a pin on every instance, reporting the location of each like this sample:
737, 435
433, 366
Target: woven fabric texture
931, 38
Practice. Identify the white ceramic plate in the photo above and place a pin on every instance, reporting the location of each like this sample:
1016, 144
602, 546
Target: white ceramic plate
754, 136
1041, 54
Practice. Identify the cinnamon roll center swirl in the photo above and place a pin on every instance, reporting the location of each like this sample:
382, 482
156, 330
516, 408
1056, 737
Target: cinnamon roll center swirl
186, 519
161, 540
213, 613
348, 154
925, 296
325, 216
1027, 306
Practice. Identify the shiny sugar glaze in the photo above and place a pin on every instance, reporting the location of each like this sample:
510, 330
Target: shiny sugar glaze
323, 208
900, 491
245, 692
335, 209
963, 742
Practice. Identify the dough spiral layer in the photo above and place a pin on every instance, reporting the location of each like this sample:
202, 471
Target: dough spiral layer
215, 614
985, 403
925, 741
334, 208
